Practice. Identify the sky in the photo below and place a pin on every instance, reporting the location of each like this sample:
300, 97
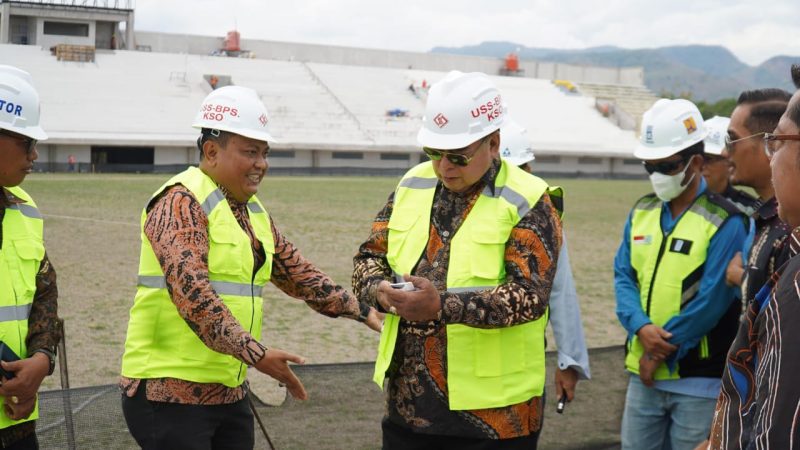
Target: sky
753, 30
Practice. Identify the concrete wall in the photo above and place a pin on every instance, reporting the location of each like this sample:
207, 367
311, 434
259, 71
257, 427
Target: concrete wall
174, 155
302, 158
60, 153
54, 157
51, 40
351, 56
59, 15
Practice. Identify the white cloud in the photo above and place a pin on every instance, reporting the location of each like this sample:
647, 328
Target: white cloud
752, 31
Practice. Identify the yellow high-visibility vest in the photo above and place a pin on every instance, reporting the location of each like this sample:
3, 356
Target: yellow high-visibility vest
159, 343
487, 367
20, 259
669, 267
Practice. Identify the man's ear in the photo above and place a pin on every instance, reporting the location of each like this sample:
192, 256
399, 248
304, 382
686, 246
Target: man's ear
211, 151
494, 144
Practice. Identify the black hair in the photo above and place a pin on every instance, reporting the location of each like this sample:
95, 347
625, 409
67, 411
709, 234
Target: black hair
794, 113
698, 148
209, 134
766, 108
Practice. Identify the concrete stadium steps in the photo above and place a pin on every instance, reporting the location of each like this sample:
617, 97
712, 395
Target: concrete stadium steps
562, 123
142, 98
634, 100
369, 92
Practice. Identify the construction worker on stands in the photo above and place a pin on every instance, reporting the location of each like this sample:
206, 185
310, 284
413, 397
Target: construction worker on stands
477, 239
565, 313
28, 291
208, 249
716, 169
669, 278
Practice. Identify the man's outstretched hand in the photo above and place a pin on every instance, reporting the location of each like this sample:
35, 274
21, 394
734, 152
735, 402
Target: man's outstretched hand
275, 363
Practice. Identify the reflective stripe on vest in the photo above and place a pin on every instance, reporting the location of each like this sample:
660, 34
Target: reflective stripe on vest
669, 267
20, 259
487, 368
159, 342
221, 287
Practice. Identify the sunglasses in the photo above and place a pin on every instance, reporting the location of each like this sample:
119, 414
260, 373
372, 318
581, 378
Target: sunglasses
28, 143
454, 156
772, 142
665, 167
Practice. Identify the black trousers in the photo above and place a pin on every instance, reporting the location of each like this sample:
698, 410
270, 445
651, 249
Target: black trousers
396, 437
167, 426
29, 442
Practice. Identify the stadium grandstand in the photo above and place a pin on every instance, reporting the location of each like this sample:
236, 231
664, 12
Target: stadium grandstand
121, 100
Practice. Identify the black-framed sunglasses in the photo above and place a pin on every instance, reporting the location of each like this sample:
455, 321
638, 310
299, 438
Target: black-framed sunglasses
454, 156
772, 142
665, 167
29, 143
730, 145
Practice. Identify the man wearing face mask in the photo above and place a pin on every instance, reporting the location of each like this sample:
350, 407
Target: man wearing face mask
669, 278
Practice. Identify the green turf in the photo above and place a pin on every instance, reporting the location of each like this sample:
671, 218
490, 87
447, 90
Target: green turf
93, 240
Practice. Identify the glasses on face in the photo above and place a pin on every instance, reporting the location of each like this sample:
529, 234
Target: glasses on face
772, 142
665, 167
454, 156
28, 143
730, 145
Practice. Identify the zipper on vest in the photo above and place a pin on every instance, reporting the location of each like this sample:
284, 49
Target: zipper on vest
655, 271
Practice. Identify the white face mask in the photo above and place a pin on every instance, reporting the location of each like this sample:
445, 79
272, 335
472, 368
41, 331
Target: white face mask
667, 187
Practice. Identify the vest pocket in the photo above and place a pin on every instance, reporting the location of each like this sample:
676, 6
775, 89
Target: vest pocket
31, 253
487, 259
498, 351
227, 252
401, 235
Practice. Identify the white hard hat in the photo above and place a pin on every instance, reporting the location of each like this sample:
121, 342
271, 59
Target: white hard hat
461, 108
19, 103
237, 110
515, 146
717, 131
668, 127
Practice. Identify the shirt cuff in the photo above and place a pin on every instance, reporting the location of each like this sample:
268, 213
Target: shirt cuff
567, 362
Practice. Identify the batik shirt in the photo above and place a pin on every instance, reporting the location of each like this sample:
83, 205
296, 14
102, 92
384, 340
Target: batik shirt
759, 403
417, 379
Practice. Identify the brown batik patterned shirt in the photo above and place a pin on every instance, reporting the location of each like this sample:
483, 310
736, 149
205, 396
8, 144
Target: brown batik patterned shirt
417, 392
759, 400
177, 228
43, 329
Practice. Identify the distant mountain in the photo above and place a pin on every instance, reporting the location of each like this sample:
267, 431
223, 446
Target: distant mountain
707, 72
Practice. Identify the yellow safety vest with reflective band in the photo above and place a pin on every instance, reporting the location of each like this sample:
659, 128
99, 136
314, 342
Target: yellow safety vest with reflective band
20, 258
669, 267
486, 367
160, 344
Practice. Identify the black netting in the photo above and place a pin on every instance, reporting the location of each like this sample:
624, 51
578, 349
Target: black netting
344, 412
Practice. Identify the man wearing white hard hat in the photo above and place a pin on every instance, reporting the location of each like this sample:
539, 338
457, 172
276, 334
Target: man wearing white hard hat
476, 241
669, 279
565, 313
716, 169
208, 249
29, 330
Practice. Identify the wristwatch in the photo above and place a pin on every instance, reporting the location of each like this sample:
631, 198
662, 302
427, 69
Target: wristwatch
50, 355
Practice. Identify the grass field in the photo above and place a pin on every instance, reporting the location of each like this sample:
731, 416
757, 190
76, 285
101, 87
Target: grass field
92, 238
